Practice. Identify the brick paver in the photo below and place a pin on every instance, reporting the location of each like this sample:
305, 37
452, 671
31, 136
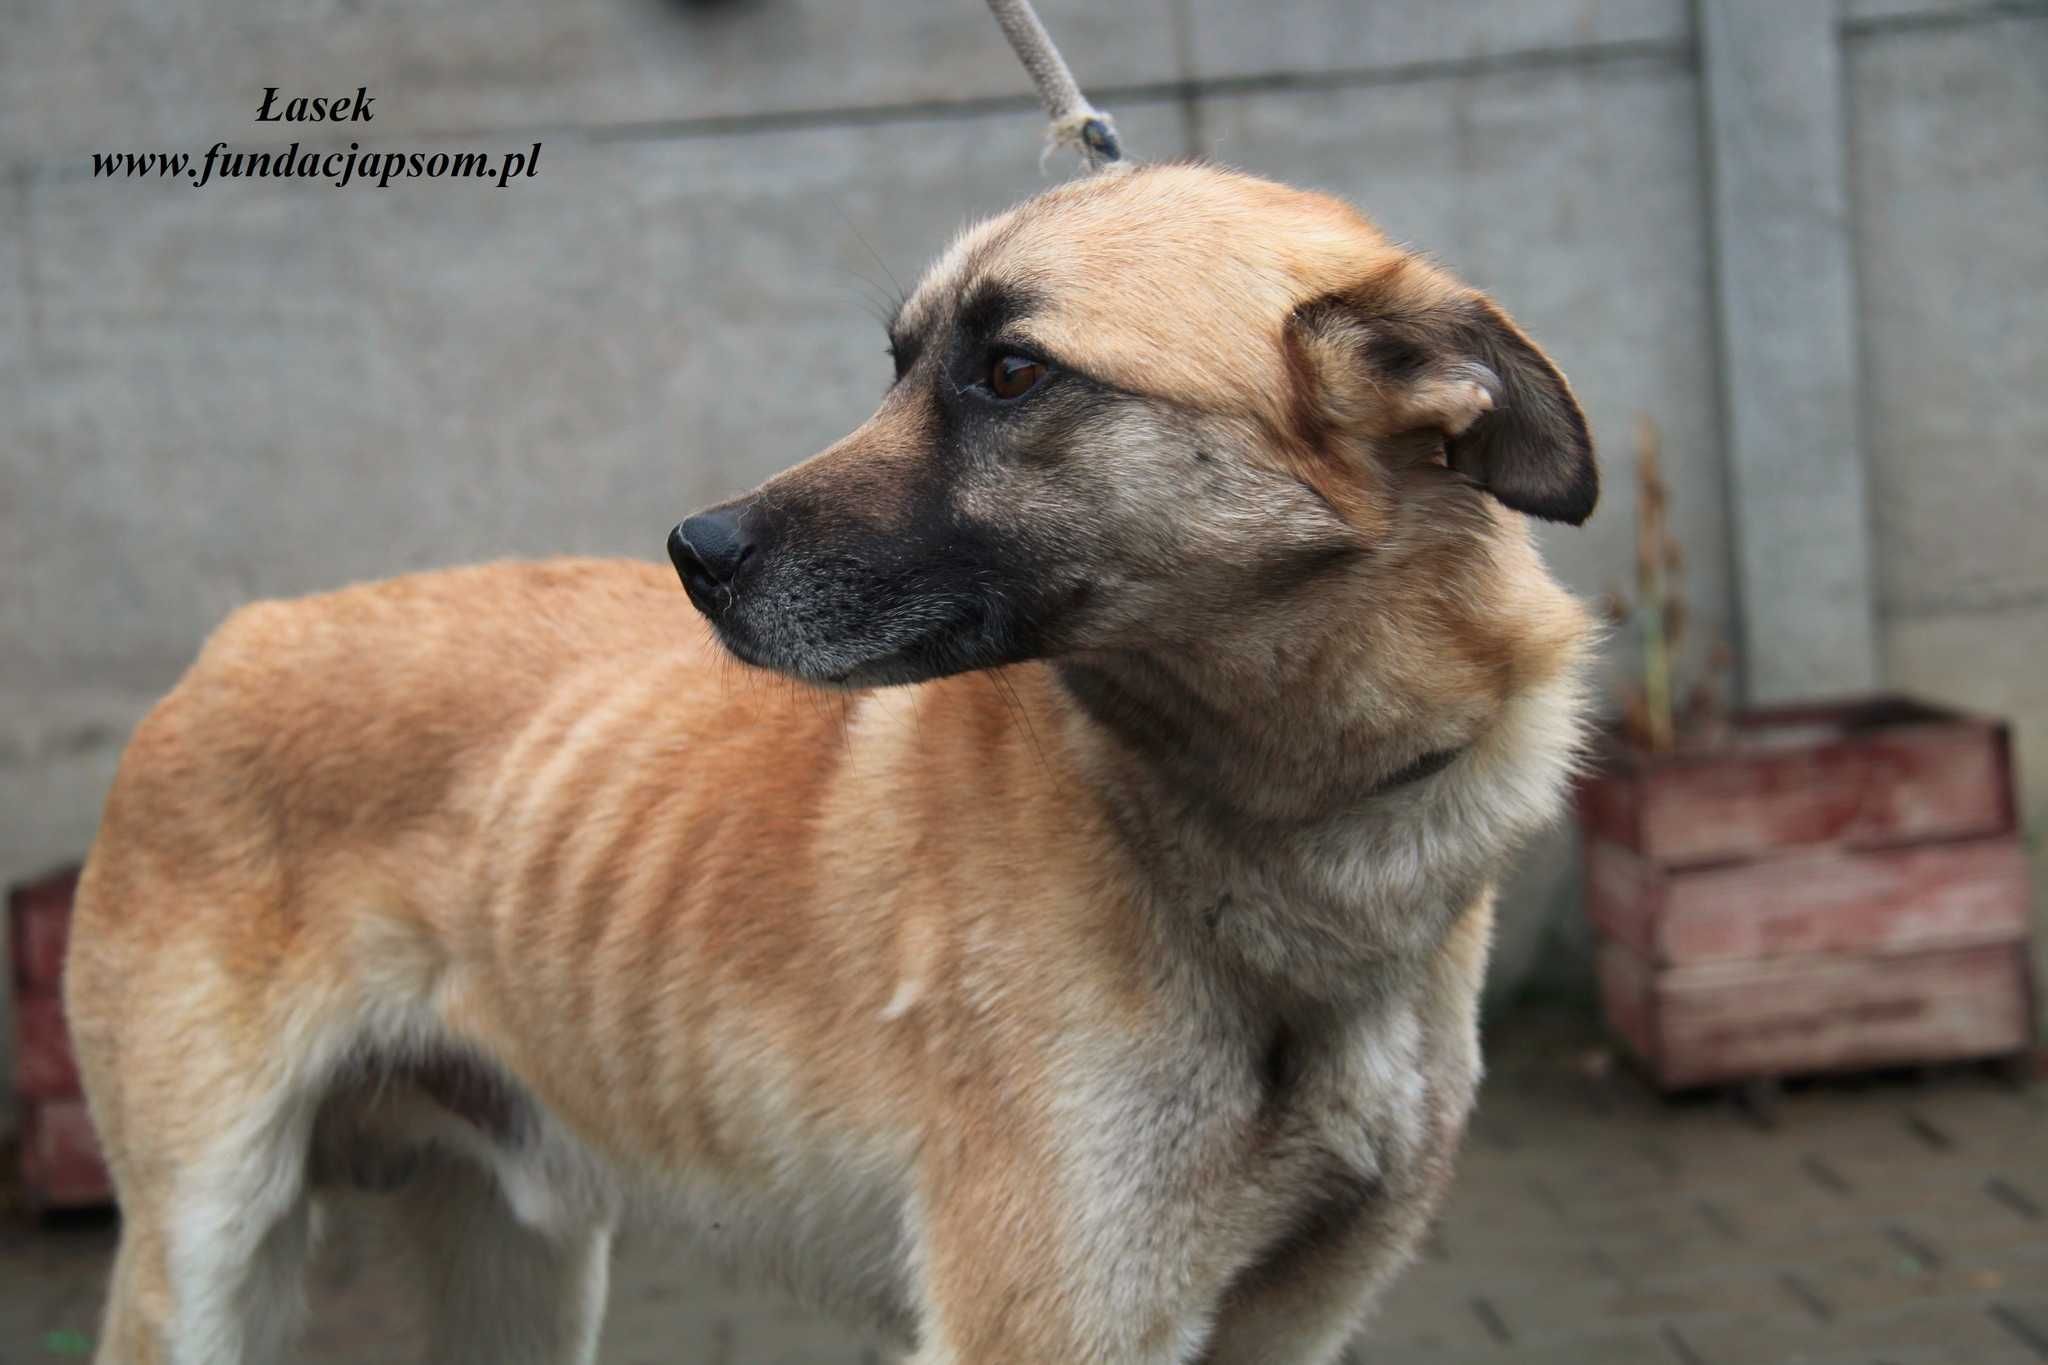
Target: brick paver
1888, 1221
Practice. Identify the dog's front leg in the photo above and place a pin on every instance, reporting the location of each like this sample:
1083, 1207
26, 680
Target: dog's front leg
1011, 1273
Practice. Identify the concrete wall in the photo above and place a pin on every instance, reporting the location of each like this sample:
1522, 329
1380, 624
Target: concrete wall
1949, 159
208, 395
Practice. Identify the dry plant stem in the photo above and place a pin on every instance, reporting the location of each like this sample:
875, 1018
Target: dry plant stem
1653, 605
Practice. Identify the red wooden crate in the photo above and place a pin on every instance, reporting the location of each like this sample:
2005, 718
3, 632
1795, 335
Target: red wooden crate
1834, 886
60, 1157
61, 1167
38, 926
43, 1065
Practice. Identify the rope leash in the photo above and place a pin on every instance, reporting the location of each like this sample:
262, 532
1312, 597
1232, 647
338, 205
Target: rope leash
1075, 122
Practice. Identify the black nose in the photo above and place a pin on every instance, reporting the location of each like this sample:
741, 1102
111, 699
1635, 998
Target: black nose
710, 551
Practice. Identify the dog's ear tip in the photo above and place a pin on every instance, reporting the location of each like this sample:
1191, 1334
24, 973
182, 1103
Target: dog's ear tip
1572, 504
1536, 453
1586, 486
1563, 485
1576, 501
1575, 504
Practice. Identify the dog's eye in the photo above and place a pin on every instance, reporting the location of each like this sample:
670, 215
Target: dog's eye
1013, 376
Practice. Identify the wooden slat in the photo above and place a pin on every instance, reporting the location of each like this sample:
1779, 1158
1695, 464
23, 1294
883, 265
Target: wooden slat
61, 1166
43, 1064
1610, 805
1884, 787
1797, 1015
1624, 895
1881, 901
1627, 999
39, 924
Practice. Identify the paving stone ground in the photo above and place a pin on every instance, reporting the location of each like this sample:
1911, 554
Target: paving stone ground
1895, 1220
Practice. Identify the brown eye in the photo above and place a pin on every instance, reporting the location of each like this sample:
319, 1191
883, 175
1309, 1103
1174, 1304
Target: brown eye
1013, 376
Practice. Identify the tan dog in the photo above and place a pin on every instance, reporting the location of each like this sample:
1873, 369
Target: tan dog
1105, 992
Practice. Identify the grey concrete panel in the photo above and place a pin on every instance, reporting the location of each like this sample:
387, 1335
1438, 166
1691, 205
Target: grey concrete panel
1950, 157
1232, 38
290, 387
16, 321
1787, 314
1862, 13
137, 75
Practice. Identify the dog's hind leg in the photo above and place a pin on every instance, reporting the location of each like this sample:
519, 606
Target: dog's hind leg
213, 1249
237, 1232
500, 1291
207, 1144
134, 1327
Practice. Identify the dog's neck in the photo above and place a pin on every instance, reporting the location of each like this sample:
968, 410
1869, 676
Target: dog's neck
1303, 813
1184, 730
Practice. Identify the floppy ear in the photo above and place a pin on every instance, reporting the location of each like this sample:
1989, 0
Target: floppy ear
1461, 369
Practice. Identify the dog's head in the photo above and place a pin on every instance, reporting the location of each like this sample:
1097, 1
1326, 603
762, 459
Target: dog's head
1135, 407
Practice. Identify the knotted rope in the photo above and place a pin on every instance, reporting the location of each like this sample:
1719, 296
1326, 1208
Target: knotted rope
1075, 122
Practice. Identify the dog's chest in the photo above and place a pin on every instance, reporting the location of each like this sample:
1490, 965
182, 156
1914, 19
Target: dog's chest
1359, 1123
1249, 1137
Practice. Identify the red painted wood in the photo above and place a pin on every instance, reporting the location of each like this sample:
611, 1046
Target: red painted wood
1834, 900
43, 1065
1627, 990
1864, 775
1730, 1021
1884, 901
39, 923
1624, 895
1610, 802
1935, 783
61, 1166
